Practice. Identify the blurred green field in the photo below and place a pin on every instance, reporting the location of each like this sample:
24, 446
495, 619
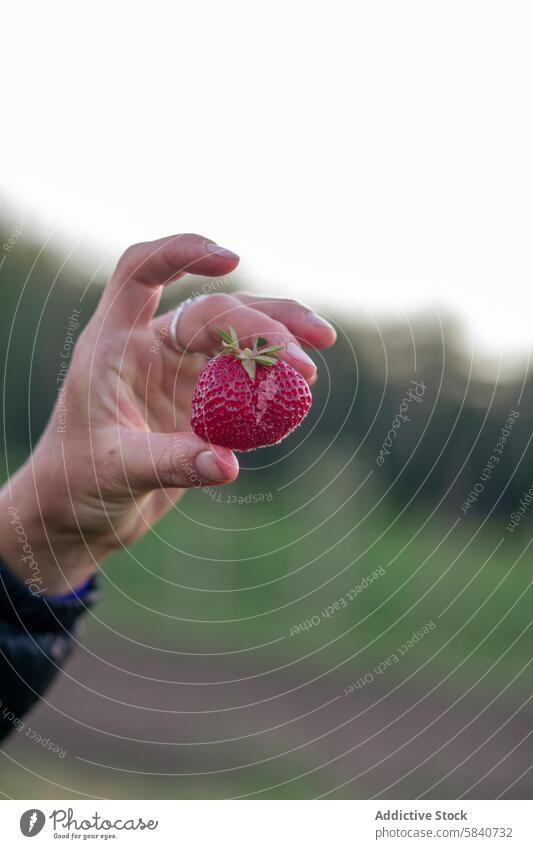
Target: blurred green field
226, 575
211, 595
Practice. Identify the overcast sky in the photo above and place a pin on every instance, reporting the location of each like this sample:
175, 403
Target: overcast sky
376, 156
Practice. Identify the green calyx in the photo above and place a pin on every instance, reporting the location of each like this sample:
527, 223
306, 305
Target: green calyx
261, 353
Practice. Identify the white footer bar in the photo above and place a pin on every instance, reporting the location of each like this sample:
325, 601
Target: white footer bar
267, 824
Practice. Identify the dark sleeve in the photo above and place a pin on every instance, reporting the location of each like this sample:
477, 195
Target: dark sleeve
35, 639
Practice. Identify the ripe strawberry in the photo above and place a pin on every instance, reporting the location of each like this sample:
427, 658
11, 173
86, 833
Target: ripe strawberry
248, 398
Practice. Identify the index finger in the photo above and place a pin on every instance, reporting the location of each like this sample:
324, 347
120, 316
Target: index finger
134, 290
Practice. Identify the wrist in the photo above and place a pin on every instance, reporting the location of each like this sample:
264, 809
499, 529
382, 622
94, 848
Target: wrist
48, 555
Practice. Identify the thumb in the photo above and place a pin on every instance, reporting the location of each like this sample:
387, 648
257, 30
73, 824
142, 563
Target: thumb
159, 460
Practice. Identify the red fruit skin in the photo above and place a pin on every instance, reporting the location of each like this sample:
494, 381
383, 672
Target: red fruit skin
231, 410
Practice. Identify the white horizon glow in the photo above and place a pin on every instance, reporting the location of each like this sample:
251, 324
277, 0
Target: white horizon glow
363, 157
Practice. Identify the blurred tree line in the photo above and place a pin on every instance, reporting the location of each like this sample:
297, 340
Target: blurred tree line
408, 393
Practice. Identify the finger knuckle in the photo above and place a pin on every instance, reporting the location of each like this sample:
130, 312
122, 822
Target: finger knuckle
220, 303
131, 259
281, 329
132, 252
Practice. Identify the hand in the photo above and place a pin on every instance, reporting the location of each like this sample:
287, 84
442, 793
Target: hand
105, 471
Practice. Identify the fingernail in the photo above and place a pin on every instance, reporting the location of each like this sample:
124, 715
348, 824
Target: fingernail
208, 467
299, 354
213, 248
318, 321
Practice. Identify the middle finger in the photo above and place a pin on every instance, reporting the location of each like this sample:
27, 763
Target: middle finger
196, 329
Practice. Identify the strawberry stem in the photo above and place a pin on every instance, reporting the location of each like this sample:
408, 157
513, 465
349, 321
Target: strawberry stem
261, 352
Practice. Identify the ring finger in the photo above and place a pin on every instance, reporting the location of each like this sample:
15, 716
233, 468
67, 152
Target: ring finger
196, 329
